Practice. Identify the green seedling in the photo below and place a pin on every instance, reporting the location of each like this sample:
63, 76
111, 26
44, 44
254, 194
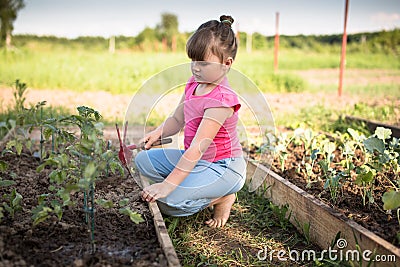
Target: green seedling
366, 179
282, 213
123, 209
12, 202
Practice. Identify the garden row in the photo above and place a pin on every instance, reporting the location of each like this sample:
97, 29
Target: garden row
353, 175
65, 197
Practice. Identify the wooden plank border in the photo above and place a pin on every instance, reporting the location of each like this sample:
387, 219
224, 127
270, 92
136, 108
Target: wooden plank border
373, 124
161, 229
324, 222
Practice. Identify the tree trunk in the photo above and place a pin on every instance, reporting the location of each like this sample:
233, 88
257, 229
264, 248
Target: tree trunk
8, 39
111, 46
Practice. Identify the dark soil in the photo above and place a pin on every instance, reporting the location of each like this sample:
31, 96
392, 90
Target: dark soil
119, 241
349, 201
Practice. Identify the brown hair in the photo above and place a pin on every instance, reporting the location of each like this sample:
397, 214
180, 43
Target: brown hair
216, 37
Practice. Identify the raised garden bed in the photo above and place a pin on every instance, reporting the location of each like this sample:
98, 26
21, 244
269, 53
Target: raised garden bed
372, 125
329, 194
118, 241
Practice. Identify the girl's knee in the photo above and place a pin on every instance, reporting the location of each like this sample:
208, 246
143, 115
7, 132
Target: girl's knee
142, 161
140, 157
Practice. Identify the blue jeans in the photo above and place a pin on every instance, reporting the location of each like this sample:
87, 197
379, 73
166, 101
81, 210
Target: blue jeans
207, 180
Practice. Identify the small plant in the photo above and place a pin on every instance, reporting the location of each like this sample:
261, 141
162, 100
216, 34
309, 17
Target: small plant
77, 168
333, 177
19, 98
282, 214
278, 144
382, 156
365, 180
133, 215
12, 201
305, 227
310, 166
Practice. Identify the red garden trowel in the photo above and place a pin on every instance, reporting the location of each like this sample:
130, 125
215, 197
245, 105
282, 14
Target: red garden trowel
125, 152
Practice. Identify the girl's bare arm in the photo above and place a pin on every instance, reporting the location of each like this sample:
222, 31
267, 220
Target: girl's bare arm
171, 126
211, 123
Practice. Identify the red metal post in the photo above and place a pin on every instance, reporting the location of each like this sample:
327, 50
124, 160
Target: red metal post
344, 43
276, 41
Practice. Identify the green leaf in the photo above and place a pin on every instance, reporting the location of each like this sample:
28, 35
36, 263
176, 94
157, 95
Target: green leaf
42, 198
108, 204
374, 144
64, 195
29, 144
324, 166
17, 199
3, 165
314, 154
4, 183
354, 134
383, 133
8, 209
124, 202
57, 209
58, 176
134, 216
40, 214
90, 171
1, 213
364, 177
13, 123
18, 147
10, 144
391, 200
327, 184
329, 147
71, 188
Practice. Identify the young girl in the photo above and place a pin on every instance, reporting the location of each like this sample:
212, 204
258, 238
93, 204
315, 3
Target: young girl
211, 168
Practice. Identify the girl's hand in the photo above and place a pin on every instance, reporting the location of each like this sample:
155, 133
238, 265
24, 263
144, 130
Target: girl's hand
150, 138
156, 191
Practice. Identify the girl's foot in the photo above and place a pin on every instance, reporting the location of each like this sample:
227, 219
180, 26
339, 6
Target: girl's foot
222, 210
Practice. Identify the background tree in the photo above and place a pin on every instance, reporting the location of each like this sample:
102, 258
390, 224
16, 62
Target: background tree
168, 29
8, 14
146, 39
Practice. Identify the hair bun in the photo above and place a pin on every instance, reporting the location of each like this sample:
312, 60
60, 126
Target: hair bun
227, 20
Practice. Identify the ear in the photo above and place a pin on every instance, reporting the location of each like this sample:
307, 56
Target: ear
228, 62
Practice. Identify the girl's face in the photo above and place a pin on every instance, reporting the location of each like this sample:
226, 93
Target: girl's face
211, 70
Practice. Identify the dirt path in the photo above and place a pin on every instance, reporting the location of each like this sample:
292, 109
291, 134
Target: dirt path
113, 107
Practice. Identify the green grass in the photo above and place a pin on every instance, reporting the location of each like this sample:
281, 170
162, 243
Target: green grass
254, 225
46, 66
325, 119
83, 70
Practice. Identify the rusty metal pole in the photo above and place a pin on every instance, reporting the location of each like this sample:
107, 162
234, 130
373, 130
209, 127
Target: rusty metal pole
343, 57
276, 41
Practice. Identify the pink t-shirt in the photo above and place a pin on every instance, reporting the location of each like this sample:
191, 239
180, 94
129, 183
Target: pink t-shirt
226, 143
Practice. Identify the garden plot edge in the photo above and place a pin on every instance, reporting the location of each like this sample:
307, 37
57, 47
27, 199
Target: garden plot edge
325, 223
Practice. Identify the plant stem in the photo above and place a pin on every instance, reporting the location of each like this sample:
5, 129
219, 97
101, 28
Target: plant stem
92, 217
108, 165
52, 138
41, 134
